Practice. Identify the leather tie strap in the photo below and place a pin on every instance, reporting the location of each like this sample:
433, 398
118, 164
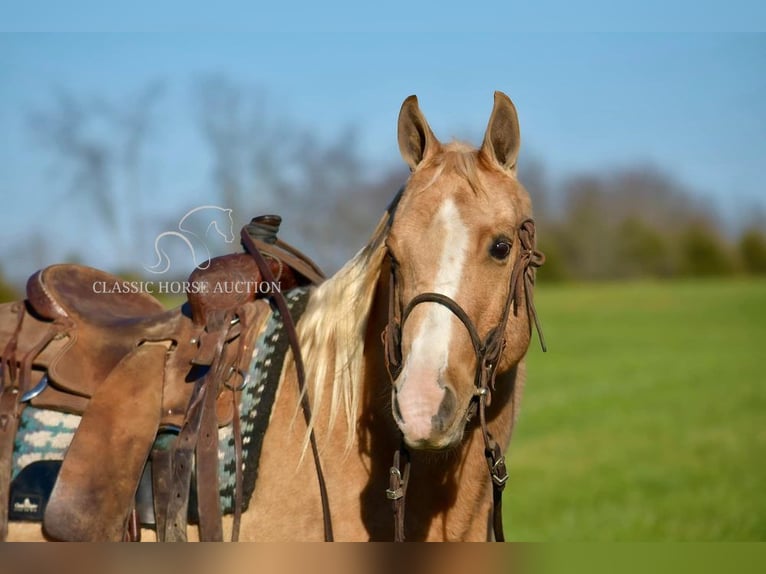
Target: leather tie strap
523, 276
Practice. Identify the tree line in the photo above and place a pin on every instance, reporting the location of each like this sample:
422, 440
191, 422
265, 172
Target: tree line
635, 222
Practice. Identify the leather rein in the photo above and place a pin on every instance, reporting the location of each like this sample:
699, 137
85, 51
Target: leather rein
252, 247
488, 352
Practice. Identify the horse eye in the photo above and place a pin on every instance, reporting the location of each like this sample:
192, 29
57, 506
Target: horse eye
500, 249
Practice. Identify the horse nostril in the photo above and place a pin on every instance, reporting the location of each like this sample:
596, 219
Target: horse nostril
446, 412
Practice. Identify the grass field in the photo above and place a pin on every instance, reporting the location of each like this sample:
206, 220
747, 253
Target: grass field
646, 420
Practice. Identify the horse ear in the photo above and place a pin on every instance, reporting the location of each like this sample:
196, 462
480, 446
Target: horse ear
416, 140
502, 139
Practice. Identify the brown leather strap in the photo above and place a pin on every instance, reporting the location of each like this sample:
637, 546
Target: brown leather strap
392, 334
9, 366
9, 422
16, 366
292, 336
300, 262
162, 488
399, 479
523, 277
208, 491
497, 470
133, 528
235, 381
15, 380
175, 517
182, 451
181, 464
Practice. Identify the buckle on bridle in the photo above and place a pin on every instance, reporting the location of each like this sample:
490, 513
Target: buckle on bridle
395, 494
499, 472
398, 492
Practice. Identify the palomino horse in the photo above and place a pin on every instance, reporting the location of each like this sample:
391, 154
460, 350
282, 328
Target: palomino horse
413, 350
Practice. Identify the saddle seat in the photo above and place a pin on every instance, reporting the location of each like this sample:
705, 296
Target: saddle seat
88, 295
96, 325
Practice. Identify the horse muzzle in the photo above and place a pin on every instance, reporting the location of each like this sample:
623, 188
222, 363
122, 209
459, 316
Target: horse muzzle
427, 414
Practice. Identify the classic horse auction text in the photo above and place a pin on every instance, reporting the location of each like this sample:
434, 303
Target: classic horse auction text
179, 287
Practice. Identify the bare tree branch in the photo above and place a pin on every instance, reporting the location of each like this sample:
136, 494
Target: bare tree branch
99, 145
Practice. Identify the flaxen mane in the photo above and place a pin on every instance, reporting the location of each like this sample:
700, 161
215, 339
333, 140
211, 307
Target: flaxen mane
332, 332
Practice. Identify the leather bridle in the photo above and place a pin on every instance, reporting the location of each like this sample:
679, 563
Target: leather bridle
488, 352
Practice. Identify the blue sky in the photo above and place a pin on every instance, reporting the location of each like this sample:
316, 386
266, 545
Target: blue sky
689, 103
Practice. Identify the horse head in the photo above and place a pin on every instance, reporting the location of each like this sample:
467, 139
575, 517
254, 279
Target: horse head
462, 258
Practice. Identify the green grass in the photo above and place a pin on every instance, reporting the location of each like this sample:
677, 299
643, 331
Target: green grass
646, 420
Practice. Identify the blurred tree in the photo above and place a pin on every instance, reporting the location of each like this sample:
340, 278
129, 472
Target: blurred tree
653, 196
554, 269
99, 145
632, 223
703, 252
641, 250
752, 250
627, 223
263, 163
534, 177
7, 292
584, 233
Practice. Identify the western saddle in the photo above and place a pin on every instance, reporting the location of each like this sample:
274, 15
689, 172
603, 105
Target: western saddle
132, 370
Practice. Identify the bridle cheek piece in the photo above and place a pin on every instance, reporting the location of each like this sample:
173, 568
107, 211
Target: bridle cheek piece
488, 353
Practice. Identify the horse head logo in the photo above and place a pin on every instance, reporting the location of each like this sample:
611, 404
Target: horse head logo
213, 219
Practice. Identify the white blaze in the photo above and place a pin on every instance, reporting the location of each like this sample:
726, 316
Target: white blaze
420, 393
